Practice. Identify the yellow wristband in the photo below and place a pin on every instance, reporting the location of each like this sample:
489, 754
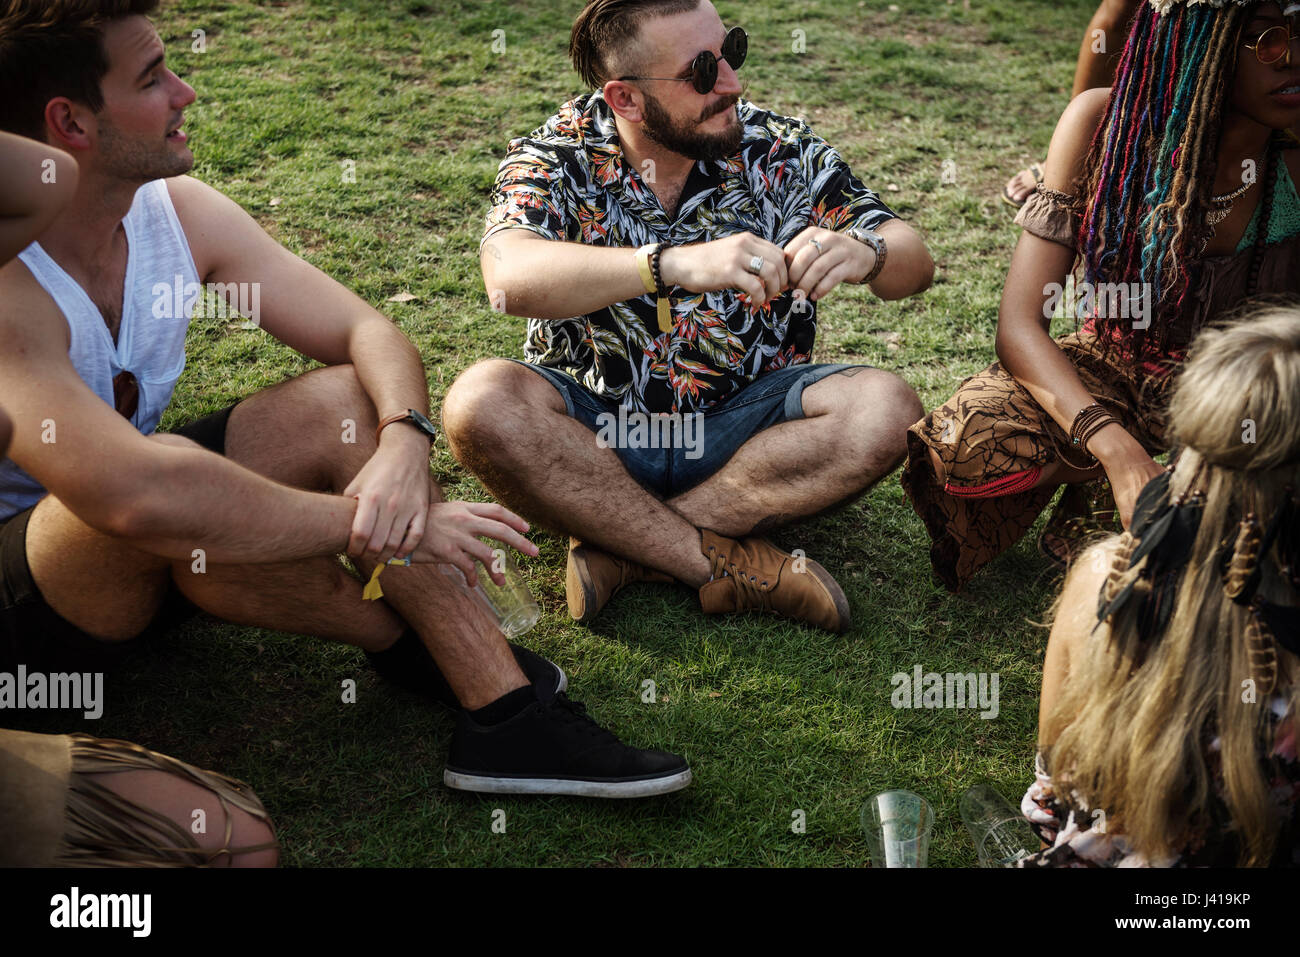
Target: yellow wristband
643, 266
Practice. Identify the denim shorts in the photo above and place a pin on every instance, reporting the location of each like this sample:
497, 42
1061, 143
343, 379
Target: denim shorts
669, 455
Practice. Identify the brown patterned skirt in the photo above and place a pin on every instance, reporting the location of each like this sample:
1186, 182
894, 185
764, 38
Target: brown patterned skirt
994, 441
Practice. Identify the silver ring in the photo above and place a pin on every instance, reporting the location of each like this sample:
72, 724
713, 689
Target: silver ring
755, 265
817, 244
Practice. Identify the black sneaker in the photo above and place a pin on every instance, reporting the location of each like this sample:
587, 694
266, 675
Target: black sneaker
409, 665
554, 747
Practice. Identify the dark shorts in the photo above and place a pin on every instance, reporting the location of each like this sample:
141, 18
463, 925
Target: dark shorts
33, 634
670, 456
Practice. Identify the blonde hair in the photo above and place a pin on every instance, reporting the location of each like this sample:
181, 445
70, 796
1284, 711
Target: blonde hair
1134, 718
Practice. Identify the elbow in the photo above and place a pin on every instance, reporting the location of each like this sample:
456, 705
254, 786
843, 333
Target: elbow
122, 516
925, 271
505, 295
918, 281
135, 511
131, 515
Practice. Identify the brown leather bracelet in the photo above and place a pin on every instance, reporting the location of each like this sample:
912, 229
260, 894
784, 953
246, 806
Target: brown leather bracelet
1088, 421
403, 416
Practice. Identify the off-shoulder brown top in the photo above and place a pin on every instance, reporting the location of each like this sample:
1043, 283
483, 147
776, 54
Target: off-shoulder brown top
1219, 283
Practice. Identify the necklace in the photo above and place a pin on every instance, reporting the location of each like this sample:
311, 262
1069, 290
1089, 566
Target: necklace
1221, 205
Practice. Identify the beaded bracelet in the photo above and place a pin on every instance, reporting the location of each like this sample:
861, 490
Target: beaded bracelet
1090, 420
660, 288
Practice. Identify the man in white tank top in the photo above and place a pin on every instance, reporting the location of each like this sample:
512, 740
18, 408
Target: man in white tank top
333, 461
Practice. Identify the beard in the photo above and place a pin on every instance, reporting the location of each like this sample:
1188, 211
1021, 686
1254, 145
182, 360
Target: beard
130, 159
660, 127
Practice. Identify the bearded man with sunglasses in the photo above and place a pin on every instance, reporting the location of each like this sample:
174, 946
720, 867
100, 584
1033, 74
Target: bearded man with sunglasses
669, 243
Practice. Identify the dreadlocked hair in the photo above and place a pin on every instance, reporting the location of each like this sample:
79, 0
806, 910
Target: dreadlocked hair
1152, 164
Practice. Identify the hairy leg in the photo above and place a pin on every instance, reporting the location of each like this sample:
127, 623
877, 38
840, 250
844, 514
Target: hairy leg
508, 426
295, 433
101, 584
853, 432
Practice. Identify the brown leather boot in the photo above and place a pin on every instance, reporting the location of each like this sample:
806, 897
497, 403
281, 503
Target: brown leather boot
761, 577
593, 577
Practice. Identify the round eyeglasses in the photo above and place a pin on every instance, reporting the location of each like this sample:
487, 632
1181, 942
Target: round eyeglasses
1273, 44
704, 68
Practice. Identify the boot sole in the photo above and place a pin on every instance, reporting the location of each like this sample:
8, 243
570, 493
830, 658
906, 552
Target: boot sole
577, 577
837, 595
563, 683
576, 787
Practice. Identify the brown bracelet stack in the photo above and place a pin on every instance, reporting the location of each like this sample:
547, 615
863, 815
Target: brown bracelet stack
1090, 420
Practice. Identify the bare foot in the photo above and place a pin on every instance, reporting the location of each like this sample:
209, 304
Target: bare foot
1021, 185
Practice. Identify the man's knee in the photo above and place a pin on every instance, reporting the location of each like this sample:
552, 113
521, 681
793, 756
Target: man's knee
487, 399
876, 400
891, 408
293, 432
875, 408
334, 393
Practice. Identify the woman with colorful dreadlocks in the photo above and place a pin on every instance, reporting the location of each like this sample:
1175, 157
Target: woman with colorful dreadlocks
1172, 195
1185, 631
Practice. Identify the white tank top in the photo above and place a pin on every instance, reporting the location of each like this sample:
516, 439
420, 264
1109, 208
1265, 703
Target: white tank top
158, 297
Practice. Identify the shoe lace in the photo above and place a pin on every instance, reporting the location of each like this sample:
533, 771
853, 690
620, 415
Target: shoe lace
751, 592
574, 713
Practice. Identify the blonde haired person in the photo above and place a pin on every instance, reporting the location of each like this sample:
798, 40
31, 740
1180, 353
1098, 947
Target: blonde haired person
75, 800
1167, 727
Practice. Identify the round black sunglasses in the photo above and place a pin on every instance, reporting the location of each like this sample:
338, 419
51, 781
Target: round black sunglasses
704, 68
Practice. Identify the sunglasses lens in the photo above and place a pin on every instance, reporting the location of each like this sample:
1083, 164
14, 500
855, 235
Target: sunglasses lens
704, 72
1273, 44
735, 47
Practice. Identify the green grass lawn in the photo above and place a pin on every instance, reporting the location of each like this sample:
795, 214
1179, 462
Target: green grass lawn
773, 717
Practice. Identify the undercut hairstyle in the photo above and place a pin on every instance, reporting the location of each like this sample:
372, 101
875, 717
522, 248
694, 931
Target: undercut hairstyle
52, 48
605, 29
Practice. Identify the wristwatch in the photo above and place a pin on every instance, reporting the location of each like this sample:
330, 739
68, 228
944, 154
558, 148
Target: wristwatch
414, 418
876, 242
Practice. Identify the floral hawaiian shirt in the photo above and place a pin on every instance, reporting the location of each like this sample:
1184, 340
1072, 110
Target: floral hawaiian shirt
568, 181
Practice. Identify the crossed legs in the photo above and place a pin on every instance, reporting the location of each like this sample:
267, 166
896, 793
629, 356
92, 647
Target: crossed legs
293, 434
509, 427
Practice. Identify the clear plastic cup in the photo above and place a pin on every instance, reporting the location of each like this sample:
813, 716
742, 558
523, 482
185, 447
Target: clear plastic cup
898, 826
511, 604
1001, 834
